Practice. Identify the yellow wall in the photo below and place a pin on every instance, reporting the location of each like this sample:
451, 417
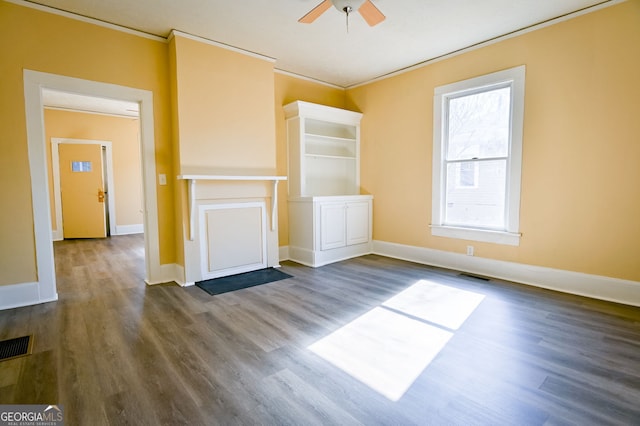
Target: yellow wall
49, 43
123, 133
287, 90
224, 108
580, 208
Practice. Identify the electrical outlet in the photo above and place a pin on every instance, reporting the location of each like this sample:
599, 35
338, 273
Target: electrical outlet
162, 178
469, 250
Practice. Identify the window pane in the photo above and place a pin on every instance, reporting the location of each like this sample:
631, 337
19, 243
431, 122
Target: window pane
467, 174
478, 125
81, 166
482, 205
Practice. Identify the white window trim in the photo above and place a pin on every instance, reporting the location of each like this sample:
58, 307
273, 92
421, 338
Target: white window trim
511, 235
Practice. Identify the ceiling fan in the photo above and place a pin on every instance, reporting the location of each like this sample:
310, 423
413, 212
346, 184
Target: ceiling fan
368, 10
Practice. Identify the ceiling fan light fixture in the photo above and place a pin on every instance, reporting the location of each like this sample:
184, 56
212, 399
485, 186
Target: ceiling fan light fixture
347, 6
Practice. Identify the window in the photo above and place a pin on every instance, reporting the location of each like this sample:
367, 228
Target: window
477, 156
81, 166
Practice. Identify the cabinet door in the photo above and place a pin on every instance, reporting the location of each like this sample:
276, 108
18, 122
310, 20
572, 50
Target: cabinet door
332, 226
357, 222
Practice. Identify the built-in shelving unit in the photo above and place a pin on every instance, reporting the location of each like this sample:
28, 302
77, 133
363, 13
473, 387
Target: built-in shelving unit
329, 219
324, 150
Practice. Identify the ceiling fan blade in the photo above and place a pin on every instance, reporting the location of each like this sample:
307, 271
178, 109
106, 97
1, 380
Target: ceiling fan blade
316, 12
371, 13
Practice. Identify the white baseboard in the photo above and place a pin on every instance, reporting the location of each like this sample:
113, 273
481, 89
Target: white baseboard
283, 253
317, 258
19, 295
56, 235
169, 272
180, 276
581, 284
594, 286
130, 229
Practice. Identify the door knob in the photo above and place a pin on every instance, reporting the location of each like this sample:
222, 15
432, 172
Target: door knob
100, 195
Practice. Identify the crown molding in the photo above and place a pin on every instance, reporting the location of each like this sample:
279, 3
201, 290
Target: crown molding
87, 20
218, 44
531, 28
310, 79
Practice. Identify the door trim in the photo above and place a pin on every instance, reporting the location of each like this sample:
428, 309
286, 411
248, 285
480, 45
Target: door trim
58, 233
34, 82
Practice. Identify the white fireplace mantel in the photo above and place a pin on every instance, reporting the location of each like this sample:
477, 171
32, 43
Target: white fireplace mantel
191, 192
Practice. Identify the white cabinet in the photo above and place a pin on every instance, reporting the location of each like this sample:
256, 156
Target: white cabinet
328, 218
333, 226
327, 229
344, 223
358, 222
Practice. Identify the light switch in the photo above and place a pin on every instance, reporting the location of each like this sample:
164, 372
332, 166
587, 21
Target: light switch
162, 178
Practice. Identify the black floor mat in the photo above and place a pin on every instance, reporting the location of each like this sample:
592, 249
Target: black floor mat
239, 281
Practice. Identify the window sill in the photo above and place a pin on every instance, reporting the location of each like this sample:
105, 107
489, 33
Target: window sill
484, 235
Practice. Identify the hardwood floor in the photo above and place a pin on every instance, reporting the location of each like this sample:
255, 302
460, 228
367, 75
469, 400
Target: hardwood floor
115, 351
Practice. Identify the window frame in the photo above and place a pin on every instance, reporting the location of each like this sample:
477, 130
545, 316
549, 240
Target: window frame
515, 78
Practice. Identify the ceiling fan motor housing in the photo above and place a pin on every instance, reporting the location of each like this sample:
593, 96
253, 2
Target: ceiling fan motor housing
344, 5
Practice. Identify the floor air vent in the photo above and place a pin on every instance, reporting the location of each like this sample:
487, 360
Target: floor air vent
475, 277
13, 348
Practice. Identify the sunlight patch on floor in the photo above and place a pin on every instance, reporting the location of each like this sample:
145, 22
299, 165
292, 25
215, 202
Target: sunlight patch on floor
388, 347
384, 350
436, 303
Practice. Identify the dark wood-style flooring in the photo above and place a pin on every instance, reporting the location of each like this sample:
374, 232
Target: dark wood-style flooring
112, 350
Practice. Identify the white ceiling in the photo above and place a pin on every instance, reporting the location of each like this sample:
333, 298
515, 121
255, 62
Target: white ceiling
414, 31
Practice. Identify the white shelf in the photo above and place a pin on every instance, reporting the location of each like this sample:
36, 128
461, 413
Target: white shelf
338, 157
330, 147
330, 138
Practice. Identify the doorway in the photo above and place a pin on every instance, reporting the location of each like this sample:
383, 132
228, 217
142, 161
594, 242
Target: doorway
88, 175
34, 83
